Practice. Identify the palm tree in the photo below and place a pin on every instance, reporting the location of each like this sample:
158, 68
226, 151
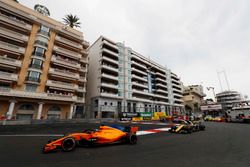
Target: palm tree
16, 1
42, 9
72, 21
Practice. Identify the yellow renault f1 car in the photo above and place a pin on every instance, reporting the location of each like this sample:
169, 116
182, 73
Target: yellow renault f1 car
90, 137
181, 129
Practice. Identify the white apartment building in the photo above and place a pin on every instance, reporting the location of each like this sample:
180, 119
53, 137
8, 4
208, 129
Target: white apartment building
122, 80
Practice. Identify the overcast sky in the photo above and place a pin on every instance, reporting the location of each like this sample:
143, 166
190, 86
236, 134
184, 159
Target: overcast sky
196, 39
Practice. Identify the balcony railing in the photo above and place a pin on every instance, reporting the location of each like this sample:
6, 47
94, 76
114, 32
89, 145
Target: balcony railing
65, 62
110, 60
44, 33
110, 52
34, 95
82, 79
68, 53
64, 85
41, 44
8, 76
14, 21
13, 34
10, 61
110, 94
139, 71
139, 78
11, 47
111, 68
68, 42
139, 65
107, 85
63, 73
36, 66
109, 76
33, 79
84, 60
140, 85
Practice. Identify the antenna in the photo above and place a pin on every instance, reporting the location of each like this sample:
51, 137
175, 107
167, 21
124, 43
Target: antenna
218, 74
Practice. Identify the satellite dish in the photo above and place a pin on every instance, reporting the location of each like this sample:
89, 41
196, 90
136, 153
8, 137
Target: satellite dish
42, 9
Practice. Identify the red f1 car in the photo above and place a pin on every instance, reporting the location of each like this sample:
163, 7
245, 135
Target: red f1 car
90, 137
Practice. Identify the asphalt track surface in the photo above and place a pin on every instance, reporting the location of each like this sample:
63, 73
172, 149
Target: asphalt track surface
222, 145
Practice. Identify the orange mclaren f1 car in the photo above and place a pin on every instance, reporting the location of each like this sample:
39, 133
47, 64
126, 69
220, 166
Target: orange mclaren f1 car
103, 135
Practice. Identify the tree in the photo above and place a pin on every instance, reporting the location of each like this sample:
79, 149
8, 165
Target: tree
16, 1
42, 9
72, 21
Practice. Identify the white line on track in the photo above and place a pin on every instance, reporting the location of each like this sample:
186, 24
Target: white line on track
139, 133
31, 135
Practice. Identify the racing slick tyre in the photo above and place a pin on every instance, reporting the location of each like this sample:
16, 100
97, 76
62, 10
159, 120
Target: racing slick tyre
68, 144
132, 139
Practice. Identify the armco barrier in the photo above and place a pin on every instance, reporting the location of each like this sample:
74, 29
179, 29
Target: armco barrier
63, 121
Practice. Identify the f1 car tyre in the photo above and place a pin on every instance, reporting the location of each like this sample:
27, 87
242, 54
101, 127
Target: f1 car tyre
68, 144
132, 139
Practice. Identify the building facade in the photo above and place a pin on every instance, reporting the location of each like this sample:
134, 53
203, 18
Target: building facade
193, 97
43, 65
122, 80
227, 98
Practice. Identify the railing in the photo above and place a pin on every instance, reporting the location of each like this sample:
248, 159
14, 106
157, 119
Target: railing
37, 66
8, 76
13, 47
15, 21
13, 34
62, 84
10, 61
63, 72
69, 42
41, 43
47, 34
58, 59
68, 52
33, 79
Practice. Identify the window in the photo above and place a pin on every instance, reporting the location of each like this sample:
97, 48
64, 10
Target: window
44, 30
39, 51
105, 103
34, 74
30, 88
36, 63
111, 104
26, 107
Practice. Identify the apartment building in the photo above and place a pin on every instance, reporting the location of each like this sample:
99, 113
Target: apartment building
122, 80
193, 98
228, 98
43, 65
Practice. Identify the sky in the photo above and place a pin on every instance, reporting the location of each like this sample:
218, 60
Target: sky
201, 41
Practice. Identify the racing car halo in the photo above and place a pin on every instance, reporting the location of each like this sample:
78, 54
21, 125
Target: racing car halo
90, 137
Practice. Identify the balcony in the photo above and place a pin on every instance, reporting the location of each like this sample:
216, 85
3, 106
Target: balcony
13, 35
107, 85
111, 68
82, 79
83, 69
68, 42
8, 76
81, 89
34, 95
64, 74
67, 53
142, 92
176, 85
65, 62
139, 65
161, 91
61, 97
139, 71
161, 85
139, 78
110, 52
63, 85
161, 96
161, 80
80, 100
140, 85
33, 80
41, 44
109, 76
11, 47
110, 60
84, 60
84, 52
15, 22
160, 74
110, 94
177, 90
6, 61
111, 45
177, 95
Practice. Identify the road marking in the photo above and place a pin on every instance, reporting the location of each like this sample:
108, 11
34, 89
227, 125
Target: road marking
32, 135
151, 131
